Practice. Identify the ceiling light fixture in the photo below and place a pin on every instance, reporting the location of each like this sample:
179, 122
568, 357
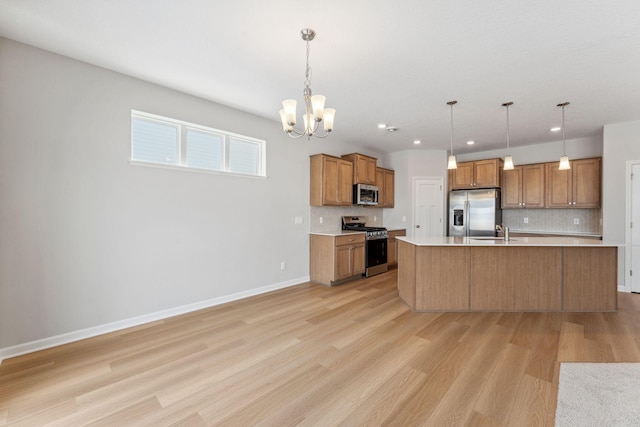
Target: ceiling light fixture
452, 158
391, 128
470, 142
564, 160
417, 141
508, 161
381, 125
314, 105
555, 129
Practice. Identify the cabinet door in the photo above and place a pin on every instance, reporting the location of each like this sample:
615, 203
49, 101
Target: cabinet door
558, 186
330, 181
486, 173
392, 251
358, 260
380, 185
371, 170
586, 183
462, 176
344, 263
512, 188
345, 183
389, 188
533, 186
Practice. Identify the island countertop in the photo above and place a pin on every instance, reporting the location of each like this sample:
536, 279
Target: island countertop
514, 241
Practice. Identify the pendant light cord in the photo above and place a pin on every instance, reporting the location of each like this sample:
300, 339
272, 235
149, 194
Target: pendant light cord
451, 104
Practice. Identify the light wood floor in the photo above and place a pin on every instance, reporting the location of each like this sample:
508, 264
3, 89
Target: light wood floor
312, 355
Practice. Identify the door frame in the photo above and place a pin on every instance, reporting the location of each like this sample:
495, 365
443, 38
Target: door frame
628, 264
414, 185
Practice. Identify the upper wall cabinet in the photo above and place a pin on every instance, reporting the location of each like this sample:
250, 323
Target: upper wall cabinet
364, 168
385, 181
478, 174
578, 187
523, 187
331, 181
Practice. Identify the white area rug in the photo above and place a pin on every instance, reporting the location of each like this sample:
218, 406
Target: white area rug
599, 394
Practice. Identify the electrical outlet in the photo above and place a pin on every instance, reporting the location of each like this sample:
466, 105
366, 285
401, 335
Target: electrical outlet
297, 220
404, 218
283, 265
321, 220
526, 220
375, 218
576, 221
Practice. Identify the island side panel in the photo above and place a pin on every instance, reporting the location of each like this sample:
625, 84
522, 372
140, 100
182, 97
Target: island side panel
442, 278
407, 273
591, 279
516, 278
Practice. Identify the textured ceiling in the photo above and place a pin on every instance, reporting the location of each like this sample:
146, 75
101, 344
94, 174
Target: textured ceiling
375, 61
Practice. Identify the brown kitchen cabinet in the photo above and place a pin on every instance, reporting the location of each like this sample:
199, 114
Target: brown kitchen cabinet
331, 181
364, 168
392, 246
478, 174
385, 181
335, 259
578, 187
523, 187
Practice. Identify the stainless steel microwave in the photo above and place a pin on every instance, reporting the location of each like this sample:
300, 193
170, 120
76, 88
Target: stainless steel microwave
364, 194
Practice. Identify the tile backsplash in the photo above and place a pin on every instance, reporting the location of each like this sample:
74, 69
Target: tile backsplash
332, 217
554, 220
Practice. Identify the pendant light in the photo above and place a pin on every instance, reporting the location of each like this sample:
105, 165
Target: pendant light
452, 159
564, 160
508, 161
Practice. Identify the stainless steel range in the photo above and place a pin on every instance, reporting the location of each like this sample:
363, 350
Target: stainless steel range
376, 243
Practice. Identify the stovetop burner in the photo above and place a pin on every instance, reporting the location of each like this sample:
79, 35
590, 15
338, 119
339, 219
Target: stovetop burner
355, 223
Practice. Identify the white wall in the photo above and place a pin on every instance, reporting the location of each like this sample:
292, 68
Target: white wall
408, 166
87, 239
578, 148
621, 143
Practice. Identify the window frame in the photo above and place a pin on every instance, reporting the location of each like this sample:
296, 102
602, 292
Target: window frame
182, 142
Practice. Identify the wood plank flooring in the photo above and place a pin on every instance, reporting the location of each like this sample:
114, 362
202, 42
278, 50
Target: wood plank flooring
309, 355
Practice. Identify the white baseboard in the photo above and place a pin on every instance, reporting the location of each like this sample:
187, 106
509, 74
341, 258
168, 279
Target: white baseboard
68, 337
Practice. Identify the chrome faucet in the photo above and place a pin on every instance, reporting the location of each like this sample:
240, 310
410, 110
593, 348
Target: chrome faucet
504, 230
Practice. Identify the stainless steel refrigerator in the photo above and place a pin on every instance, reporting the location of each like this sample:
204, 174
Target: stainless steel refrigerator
474, 212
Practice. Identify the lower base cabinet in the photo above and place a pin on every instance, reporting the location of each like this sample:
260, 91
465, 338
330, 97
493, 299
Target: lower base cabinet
392, 247
336, 259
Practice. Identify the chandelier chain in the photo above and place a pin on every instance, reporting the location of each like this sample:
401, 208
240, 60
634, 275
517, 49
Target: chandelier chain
307, 80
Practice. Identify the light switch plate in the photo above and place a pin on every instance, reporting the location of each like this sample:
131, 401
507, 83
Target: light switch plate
298, 220
526, 220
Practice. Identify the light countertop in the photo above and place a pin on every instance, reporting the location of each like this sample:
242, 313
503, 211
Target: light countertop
336, 233
514, 241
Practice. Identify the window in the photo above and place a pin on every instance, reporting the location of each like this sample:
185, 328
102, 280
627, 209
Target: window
164, 141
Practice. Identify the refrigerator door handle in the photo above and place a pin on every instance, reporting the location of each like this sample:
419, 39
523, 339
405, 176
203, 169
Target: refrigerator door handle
467, 214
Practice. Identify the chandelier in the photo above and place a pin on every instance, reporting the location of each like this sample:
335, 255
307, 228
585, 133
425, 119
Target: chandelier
314, 106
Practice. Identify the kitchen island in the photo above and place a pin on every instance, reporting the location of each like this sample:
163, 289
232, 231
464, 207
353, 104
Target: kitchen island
522, 274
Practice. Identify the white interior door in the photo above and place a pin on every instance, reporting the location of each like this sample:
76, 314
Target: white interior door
635, 228
428, 213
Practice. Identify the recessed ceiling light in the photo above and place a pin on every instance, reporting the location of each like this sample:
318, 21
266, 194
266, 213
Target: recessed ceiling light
417, 141
470, 142
381, 126
555, 129
391, 128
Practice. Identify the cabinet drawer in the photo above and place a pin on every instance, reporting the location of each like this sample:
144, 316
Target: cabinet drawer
349, 239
